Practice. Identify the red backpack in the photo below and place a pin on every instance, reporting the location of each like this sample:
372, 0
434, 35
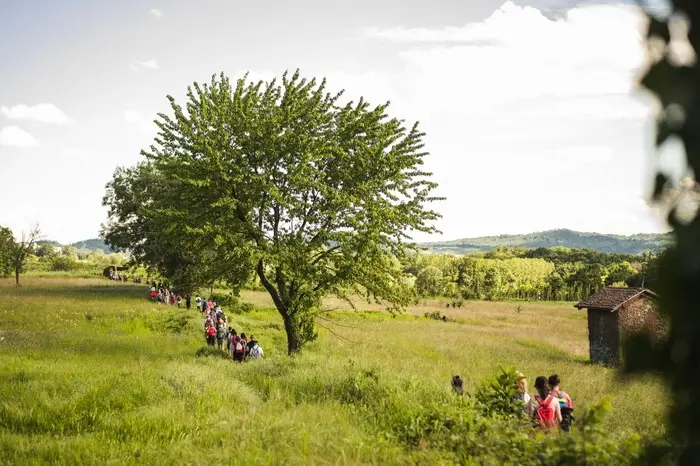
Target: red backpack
211, 331
545, 413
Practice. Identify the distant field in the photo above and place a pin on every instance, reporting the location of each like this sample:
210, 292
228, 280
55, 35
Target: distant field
92, 372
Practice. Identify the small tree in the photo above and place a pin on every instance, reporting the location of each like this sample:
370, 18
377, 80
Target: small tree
21, 250
318, 198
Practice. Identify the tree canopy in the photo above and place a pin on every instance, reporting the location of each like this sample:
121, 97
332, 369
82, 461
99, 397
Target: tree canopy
316, 197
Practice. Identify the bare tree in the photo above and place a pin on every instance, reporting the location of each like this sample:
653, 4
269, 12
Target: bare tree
22, 249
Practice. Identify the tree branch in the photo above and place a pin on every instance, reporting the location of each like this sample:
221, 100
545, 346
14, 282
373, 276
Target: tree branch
325, 253
281, 306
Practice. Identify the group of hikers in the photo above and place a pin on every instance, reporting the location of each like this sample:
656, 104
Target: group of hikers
117, 277
217, 332
549, 408
163, 294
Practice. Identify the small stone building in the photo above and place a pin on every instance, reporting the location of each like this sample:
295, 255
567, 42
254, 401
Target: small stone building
613, 314
107, 271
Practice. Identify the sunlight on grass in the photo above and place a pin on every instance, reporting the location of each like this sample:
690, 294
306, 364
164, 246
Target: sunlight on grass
91, 371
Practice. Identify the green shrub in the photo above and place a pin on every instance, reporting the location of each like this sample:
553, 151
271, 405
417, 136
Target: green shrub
497, 395
435, 315
225, 300
231, 303
210, 352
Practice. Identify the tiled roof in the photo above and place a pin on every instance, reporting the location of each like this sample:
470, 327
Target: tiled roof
611, 298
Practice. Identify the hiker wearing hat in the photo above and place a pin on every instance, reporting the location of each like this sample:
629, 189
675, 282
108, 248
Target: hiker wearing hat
521, 386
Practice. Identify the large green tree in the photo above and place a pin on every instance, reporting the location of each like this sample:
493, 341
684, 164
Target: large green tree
315, 196
141, 222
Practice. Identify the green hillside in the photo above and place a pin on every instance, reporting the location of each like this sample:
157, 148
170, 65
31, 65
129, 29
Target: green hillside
92, 245
620, 244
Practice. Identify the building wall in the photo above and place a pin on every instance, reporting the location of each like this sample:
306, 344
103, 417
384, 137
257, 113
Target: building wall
639, 315
604, 337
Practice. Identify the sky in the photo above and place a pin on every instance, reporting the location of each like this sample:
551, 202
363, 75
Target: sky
532, 115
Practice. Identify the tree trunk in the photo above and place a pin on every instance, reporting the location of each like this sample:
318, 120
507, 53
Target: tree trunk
290, 326
293, 338
16, 277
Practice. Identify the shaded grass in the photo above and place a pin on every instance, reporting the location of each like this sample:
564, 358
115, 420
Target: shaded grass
92, 372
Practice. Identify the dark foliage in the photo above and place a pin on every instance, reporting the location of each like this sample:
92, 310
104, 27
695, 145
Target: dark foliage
677, 358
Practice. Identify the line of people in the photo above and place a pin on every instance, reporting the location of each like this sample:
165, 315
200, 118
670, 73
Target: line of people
217, 332
163, 294
549, 408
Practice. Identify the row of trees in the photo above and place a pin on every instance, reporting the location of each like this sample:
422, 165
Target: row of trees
517, 273
15, 252
282, 182
26, 252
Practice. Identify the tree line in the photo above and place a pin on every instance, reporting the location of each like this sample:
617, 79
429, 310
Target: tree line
27, 253
512, 273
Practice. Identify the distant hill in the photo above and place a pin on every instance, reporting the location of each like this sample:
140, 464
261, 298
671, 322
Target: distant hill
43, 241
92, 244
634, 244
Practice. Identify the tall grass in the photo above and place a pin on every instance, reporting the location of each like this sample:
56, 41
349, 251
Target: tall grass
92, 372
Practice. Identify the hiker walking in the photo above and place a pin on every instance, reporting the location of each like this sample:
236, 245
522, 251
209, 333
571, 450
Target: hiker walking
210, 333
220, 333
565, 402
543, 408
522, 397
255, 351
238, 349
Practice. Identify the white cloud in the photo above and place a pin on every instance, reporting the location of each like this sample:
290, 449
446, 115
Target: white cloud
43, 113
531, 122
17, 137
519, 53
144, 65
156, 13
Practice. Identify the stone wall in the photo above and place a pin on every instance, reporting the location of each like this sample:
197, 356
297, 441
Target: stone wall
604, 337
641, 314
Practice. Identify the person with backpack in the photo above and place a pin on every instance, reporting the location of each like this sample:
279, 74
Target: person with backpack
238, 349
565, 402
244, 342
220, 334
211, 335
255, 351
544, 409
229, 332
232, 341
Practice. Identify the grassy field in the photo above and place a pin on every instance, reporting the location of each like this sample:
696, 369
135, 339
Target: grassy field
92, 372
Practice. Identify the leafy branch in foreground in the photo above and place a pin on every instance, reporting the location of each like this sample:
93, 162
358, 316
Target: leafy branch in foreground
676, 84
